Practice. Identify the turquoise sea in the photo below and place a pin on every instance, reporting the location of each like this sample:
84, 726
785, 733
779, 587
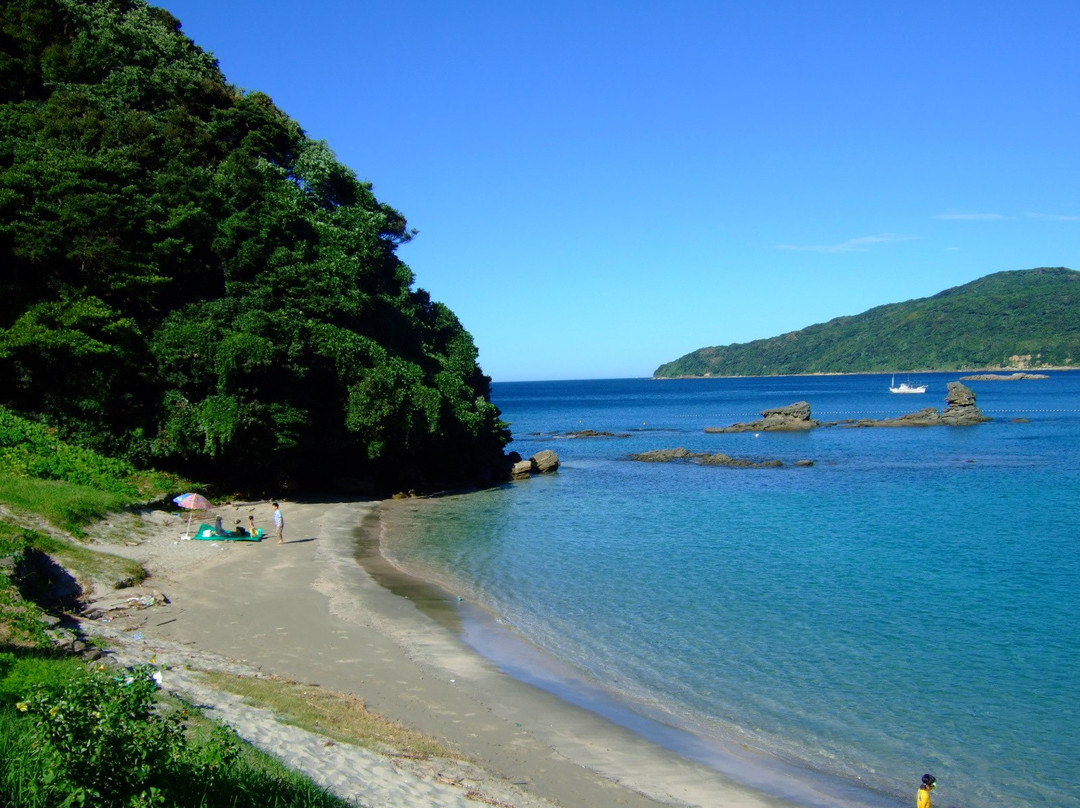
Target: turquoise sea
908, 604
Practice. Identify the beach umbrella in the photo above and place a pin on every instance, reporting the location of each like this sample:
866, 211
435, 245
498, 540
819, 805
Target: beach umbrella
193, 502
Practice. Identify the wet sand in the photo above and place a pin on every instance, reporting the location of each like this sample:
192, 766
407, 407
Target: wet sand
309, 610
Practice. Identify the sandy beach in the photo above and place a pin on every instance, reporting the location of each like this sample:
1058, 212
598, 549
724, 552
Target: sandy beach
307, 610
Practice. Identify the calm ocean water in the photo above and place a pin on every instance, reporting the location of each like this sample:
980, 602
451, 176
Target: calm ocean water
908, 604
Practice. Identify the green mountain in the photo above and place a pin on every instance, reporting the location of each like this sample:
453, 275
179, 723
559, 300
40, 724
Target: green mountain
1023, 319
191, 282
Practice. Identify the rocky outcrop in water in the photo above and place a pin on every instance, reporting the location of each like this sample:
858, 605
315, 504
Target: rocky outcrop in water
1003, 377
960, 410
708, 459
792, 418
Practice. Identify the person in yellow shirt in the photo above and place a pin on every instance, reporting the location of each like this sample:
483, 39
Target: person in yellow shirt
929, 783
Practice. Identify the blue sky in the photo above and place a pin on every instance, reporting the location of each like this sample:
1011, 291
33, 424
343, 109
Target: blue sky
601, 187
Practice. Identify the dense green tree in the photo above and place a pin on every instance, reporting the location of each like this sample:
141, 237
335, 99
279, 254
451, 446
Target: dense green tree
191, 280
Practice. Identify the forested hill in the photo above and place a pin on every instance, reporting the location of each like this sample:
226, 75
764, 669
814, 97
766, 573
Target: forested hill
1026, 318
192, 283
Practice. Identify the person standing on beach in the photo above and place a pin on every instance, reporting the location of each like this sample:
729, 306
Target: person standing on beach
929, 783
279, 523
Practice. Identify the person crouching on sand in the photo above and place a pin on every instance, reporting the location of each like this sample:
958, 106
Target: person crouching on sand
929, 783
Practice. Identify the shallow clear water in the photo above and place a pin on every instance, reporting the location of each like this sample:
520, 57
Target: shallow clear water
909, 603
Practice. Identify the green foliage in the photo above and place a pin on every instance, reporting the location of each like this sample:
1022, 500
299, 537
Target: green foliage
193, 283
20, 622
29, 449
1026, 318
26, 673
68, 485
101, 739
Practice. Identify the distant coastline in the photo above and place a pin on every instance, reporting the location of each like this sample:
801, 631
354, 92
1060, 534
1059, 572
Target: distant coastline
1028, 372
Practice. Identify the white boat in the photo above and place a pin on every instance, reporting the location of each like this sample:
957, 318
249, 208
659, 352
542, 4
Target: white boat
904, 387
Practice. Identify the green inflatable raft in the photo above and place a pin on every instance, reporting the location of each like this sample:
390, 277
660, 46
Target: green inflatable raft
211, 533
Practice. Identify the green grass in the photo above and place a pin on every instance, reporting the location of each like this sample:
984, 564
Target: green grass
68, 506
339, 716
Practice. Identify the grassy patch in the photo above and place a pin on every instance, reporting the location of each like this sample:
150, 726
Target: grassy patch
66, 505
88, 566
335, 715
67, 485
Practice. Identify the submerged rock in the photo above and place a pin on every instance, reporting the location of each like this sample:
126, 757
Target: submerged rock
707, 459
592, 433
1003, 377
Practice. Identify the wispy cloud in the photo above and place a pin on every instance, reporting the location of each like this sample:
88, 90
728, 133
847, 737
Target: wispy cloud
860, 244
1050, 217
971, 217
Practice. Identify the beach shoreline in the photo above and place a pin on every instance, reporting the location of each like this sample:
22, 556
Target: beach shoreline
310, 611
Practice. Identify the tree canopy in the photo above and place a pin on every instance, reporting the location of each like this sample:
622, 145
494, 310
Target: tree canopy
191, 281
1023, 318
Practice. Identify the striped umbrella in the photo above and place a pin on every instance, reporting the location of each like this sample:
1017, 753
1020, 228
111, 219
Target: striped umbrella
193, 502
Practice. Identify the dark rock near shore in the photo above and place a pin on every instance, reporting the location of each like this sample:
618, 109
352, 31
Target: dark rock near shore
521, 470
543, 462
792, 418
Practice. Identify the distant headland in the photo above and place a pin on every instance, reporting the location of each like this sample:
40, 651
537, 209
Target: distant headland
1018, 321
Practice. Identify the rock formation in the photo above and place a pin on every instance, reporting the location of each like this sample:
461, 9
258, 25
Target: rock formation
960, 410
707, 459
792, 418
592, 433
1000, 377
543, 462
